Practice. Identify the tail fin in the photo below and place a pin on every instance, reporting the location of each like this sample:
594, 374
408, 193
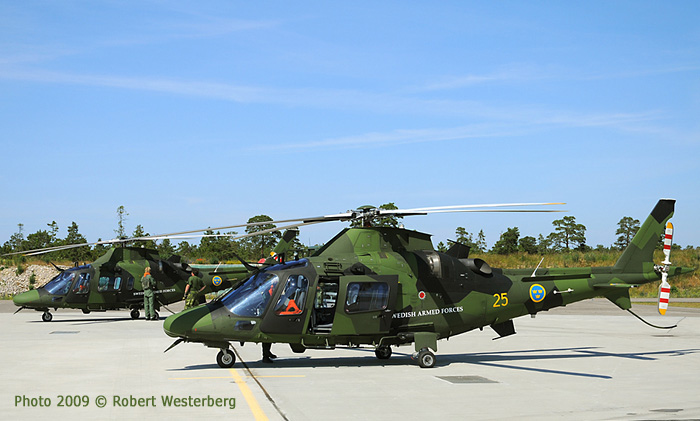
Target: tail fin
641, 249
279, 254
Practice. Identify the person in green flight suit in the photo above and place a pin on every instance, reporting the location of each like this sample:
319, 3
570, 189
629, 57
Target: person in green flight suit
149, 285
193, 290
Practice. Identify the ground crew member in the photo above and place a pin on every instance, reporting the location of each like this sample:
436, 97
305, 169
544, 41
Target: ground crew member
149, 285
267, 353
193, 290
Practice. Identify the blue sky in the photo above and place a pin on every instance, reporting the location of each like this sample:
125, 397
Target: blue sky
193, 115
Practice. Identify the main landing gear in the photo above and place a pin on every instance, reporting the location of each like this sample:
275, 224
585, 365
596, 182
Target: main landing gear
383, 352
426, 359
225, 358
47, 317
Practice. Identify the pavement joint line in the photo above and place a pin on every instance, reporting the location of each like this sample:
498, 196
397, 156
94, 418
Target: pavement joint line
269, 398
248, 395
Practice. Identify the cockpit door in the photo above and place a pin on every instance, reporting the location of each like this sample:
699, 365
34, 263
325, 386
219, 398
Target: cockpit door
365, 304
80, 289
289, 312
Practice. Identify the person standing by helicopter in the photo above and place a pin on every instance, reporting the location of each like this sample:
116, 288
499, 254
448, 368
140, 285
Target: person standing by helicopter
194, 288
149, 285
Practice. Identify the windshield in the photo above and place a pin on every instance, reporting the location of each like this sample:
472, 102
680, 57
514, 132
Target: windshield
60, 284
251, 298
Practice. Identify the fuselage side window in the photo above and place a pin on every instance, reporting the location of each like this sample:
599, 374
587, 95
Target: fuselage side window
366, 296
109, 283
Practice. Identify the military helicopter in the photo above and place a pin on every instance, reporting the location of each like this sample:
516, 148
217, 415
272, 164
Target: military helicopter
112, 282
384, 287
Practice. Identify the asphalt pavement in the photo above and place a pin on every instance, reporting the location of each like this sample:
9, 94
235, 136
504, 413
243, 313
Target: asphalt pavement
589, 360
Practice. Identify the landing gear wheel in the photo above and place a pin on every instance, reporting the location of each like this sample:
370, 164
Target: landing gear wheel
47, 317
225, 358
135, 314
157, 316
86, 311
426, 359
383, 352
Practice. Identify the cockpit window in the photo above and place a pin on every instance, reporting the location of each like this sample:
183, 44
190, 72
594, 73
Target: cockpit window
251, 298
60, 285
292, 299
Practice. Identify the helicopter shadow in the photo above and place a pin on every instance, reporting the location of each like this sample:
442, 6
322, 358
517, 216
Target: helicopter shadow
313, 362
509, 359
83, 321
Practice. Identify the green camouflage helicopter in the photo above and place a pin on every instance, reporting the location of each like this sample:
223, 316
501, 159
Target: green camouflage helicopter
386, 287
113, 281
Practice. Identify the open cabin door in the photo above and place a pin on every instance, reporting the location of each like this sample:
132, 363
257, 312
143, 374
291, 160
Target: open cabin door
365, 304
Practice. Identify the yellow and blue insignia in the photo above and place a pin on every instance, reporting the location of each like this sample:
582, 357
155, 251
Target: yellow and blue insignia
216, 280
537, 293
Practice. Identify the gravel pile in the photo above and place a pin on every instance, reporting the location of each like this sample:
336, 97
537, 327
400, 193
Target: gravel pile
11, 283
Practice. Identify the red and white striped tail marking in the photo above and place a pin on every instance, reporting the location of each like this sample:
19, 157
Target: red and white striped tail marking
668, 240
665, 287
664, 295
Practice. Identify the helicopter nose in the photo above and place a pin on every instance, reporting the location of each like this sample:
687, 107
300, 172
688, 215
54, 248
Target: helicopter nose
187, 323
26, 298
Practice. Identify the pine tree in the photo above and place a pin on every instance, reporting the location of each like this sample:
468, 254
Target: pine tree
627, 228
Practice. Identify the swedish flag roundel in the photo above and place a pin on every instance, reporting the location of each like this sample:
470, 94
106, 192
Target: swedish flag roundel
537, 293
216, 280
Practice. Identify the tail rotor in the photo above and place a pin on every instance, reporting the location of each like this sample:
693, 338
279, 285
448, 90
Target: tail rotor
665, 287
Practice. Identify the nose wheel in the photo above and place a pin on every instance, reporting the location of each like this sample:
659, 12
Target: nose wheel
47, 317
225, 358
135, 314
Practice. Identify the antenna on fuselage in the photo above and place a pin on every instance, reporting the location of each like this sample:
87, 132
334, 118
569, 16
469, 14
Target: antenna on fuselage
538, 266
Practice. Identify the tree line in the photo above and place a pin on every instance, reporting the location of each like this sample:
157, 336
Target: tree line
213, 247
568, 235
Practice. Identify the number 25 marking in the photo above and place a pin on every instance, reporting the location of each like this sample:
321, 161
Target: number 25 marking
501, 300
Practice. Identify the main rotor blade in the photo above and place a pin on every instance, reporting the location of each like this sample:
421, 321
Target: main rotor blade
236, 236
44, 250
346, 216
313, 219
492, 205
466, 208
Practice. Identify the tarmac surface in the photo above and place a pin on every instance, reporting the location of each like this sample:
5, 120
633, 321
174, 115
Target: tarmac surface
589, 361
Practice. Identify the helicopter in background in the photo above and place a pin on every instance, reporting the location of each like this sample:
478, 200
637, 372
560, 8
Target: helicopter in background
384, 287
113, 281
